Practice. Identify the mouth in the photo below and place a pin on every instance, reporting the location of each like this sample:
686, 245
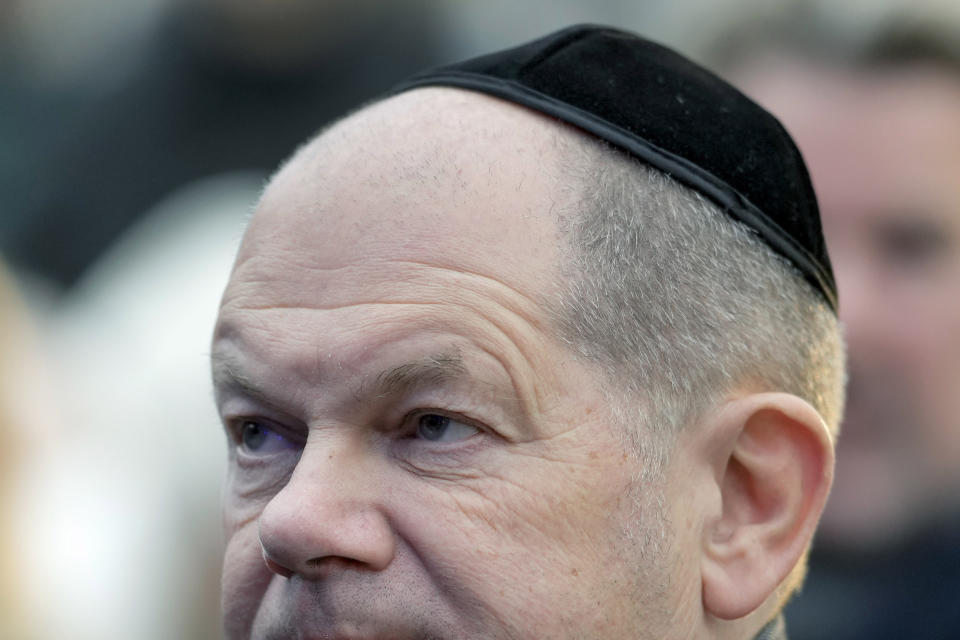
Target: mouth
347, 637
320, 624
353, 605
314, 634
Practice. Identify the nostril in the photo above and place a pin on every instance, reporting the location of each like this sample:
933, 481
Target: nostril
331, 563
276, 567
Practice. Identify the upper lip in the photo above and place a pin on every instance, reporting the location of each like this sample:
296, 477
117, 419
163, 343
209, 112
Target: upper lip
314, 635
328, 630
348, 605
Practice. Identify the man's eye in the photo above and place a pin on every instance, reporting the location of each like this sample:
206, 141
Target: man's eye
913, 245
258, 439
438, 428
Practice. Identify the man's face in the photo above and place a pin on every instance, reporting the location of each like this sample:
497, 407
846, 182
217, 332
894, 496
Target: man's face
412, 451
884, 154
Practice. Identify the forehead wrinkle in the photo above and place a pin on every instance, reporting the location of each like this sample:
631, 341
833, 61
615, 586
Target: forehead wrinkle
294, 306
528, 302
237, 367
520, 303
519, 361
442, 366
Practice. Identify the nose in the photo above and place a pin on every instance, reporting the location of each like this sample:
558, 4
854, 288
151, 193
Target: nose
866, 309
327, 517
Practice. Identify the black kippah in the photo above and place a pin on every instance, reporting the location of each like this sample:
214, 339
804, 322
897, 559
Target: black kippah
673, 115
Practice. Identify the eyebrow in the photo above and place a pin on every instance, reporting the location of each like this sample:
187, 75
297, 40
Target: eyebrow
431, 370
404, 378
228, 374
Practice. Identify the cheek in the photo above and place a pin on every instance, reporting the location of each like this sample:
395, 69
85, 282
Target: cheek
551, 506
247, 491
527, 545
245, 576
936, 378
245, 580
930, 339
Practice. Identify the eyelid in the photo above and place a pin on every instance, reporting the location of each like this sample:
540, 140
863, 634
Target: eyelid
235, 424
916, 241
409, 423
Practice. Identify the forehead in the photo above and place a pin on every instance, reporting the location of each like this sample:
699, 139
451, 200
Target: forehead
427, 221
443, 176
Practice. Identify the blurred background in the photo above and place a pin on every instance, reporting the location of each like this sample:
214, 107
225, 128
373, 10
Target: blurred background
134, 140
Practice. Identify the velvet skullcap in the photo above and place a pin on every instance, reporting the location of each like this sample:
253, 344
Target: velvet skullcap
671, 114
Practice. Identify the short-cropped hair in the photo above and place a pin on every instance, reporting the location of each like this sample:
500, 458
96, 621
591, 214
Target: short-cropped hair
679, 303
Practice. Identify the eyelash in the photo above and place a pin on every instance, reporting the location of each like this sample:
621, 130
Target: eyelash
407, 428
410, 419
236, 425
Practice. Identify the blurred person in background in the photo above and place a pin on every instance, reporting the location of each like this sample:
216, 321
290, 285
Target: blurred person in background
23, 421
877, 116
205, 87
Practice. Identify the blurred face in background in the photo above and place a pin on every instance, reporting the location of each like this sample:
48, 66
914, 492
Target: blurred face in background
883, 148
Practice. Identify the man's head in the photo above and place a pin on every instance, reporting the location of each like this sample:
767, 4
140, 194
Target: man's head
880, 128
441, 422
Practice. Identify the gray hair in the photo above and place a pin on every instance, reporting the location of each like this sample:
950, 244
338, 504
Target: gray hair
680, 304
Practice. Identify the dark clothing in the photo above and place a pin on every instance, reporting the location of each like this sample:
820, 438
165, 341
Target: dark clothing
909, 592
775, 630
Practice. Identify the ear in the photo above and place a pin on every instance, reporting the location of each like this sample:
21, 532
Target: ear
774, 465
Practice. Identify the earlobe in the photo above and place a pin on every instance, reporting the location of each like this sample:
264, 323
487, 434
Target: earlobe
774, 476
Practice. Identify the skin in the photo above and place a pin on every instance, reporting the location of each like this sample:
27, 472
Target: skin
883, 148
414, 454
